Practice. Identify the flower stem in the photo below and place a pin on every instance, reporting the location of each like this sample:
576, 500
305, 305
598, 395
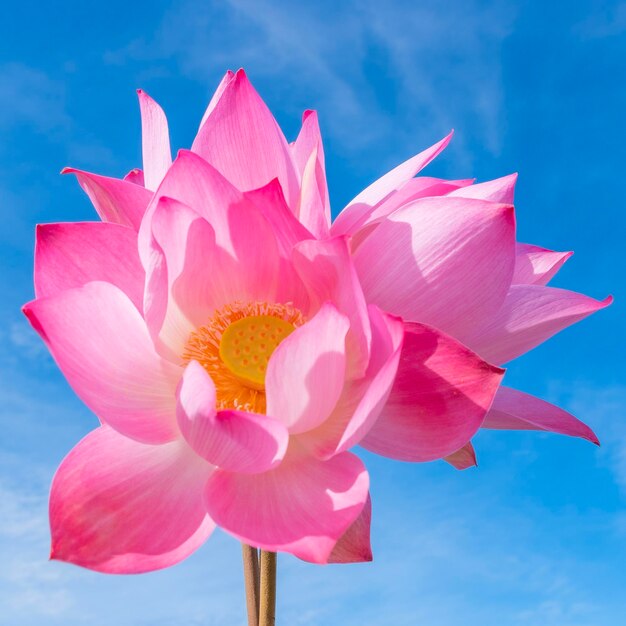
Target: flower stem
251, 580
267, 613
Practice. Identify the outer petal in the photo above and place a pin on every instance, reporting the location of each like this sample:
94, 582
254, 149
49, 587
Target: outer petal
70, 255
362, 400
536, 266
305, 375
217, 95
414, 189
102, 346
155, 141
303, 506
118, 201
514, 410
442, 261
383, 187
439, 399
499, 190
241, 138
529, 315
354, 545
232, 440
123, 507
327, 270
135, 176
463, 458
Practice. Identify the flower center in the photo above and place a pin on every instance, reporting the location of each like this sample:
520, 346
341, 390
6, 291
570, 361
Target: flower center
235, 346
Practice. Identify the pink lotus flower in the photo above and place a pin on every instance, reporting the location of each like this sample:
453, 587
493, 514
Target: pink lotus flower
434, 251
232, 360
235, 345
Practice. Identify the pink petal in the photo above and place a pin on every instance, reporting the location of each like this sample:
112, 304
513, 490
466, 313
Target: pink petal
438, 401
71, 255
305, 374
181, 294
192, 181
354, 545
463, 458
172, 224
535, 265
383, 187
327, 270
443, 261
288, 231
135, 176
155, 141
247, 270
118, 201
514, 410
232, 440
270, 201
499, 190
314, 207
122, 507
308, 156
529, 315
102, 346
414, 189
309, 139
362, 400
241, 138
217, 95
303, 506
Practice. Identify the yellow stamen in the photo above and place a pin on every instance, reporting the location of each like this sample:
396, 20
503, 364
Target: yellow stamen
234, 347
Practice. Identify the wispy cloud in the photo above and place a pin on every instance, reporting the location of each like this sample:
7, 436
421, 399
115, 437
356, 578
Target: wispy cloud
377, 72
605, 409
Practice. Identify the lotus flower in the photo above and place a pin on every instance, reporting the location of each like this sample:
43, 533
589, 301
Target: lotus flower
232, 360
429, 250
235, 345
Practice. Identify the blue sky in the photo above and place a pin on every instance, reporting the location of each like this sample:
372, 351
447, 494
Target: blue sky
537, 533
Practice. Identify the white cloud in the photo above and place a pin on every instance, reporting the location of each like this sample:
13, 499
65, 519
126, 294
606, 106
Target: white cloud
30, 586
324, 63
